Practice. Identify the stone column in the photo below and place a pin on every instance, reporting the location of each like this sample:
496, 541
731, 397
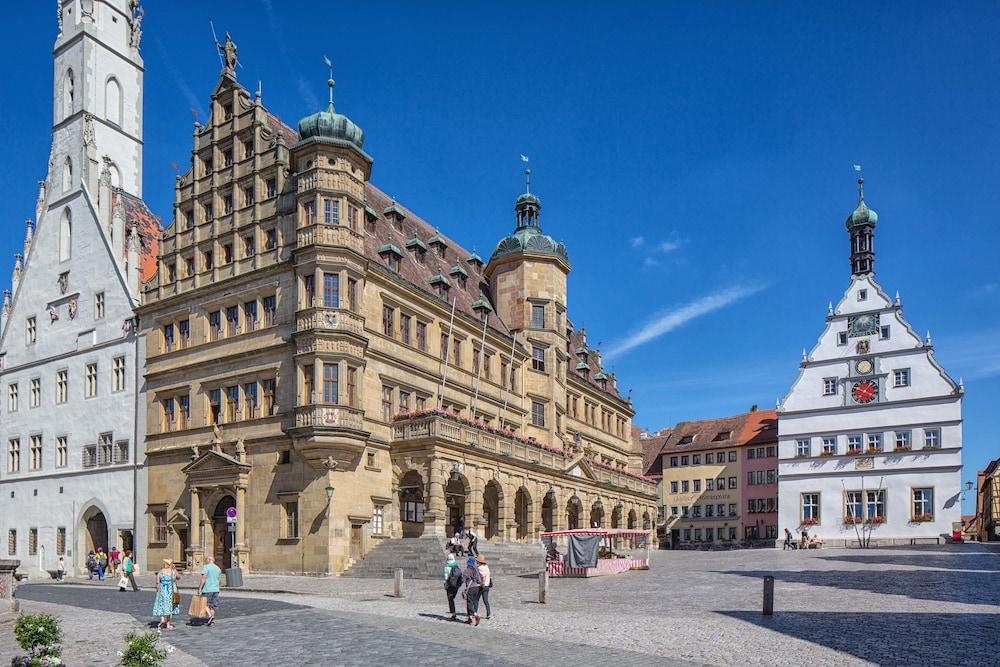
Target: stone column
435, 510
474, 505
196, 553
7, 568
242, 551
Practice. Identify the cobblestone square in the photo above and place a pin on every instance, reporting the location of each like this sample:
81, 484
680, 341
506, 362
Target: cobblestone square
912, 606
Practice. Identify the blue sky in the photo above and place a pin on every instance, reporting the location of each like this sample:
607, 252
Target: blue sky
695, 157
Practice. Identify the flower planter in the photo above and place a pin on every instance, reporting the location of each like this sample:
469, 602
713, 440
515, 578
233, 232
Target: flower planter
903, 449
923, 518
852, 520
826, 453
875, 520
809, 522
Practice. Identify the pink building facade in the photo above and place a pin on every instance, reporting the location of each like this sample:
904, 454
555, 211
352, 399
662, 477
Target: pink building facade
759, 449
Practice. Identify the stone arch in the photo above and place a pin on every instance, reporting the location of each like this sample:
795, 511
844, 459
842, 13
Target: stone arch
574, 508
456, 501
550, 510
523, 508
411, 503
95, 529
597, 514
493, 499
66, 235
67, 174
617, 515
113, 111
632, 519
645, 520
116, 175
221, 539
68, 93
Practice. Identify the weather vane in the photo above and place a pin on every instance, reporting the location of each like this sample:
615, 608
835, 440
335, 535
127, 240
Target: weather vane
527, 173
329, 82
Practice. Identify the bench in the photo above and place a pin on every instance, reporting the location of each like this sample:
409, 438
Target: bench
925, 540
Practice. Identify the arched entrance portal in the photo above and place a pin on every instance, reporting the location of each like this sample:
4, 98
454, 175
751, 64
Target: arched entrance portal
96, 530
411, 504
522, 513
492, 496
549, 511
645, 520
573, 511
632, 521
455, 493
220, 532
597, 515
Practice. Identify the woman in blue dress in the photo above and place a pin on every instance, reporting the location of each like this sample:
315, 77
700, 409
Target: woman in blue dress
164, 606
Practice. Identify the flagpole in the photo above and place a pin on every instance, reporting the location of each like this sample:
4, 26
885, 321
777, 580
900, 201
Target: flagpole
447, 354
510, 379
479, 371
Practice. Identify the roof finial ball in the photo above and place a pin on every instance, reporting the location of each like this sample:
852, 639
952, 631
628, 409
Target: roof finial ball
329, 82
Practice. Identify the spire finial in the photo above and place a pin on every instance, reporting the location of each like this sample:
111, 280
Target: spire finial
329, 82
861, 184
527, 174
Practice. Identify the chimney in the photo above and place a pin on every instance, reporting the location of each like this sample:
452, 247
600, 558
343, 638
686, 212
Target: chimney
118, 228
132, 267
104, 193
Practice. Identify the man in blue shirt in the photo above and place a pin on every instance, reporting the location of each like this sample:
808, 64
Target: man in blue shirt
209, 587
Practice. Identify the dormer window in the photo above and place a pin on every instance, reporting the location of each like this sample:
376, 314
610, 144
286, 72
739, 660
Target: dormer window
481, 307
370, 217
391, 255
476, 262
438, 244
440, 285
686, 440
395, 215
418, 248
722, 435
459, 274
862, 295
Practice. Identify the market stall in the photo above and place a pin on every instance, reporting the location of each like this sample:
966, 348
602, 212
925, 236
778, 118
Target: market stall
589, 552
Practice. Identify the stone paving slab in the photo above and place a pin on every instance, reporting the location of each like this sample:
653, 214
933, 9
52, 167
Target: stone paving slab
899, 606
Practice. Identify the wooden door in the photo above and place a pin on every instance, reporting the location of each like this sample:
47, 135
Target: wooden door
355, 542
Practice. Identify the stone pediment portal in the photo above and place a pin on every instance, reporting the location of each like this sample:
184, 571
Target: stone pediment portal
216, 468
580, 467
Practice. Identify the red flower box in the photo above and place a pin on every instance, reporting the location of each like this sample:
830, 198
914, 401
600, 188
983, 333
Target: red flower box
875, 519
809, 522
922, 518
850, 520
903, 448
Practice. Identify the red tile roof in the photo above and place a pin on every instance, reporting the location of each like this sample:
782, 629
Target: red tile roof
578, 341
137, 214
652, 448
760, 427
705, 434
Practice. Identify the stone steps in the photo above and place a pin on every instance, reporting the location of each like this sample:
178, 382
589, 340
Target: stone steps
424, 558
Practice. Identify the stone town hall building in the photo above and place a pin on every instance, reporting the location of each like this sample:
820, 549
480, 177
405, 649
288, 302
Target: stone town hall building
69, 351
340, 372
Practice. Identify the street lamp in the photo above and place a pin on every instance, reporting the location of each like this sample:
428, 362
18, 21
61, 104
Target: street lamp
329, 494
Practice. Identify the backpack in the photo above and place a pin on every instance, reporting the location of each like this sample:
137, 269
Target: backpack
454, 577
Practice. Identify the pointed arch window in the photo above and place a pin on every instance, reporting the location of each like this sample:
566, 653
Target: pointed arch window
67, 174
69, 92
113, 101
65, 235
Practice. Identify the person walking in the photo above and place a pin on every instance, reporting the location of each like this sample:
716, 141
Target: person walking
91, 565
115, 558
484, 573
209, 587
129, 571
167, 602
60, 569
788, 541
452, 583
102, 563
473, 543
473, 586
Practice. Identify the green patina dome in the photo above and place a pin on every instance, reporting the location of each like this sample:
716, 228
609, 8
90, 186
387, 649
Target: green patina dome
528, 236
333, 126
862, 215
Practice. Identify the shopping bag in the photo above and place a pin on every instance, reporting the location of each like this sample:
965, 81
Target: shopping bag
198, 607
123, 581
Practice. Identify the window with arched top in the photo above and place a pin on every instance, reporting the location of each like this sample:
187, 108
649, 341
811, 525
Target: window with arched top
113, 101
69, 92
65, 234
116, 176
67, 174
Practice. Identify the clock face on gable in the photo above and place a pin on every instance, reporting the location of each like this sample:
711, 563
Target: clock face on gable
864, 391
862, 325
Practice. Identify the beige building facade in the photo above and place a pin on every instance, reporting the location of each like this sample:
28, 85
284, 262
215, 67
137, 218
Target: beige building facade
339, 373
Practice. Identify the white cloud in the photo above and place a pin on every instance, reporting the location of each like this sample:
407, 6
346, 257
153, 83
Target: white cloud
678, 317
637, 242
670, 246
649, 261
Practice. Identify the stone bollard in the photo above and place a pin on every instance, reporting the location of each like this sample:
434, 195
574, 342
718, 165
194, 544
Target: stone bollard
768, 596
397, 583
7, 568
543, 586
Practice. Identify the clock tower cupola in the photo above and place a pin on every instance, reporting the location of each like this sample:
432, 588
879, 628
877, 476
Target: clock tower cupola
861, 227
